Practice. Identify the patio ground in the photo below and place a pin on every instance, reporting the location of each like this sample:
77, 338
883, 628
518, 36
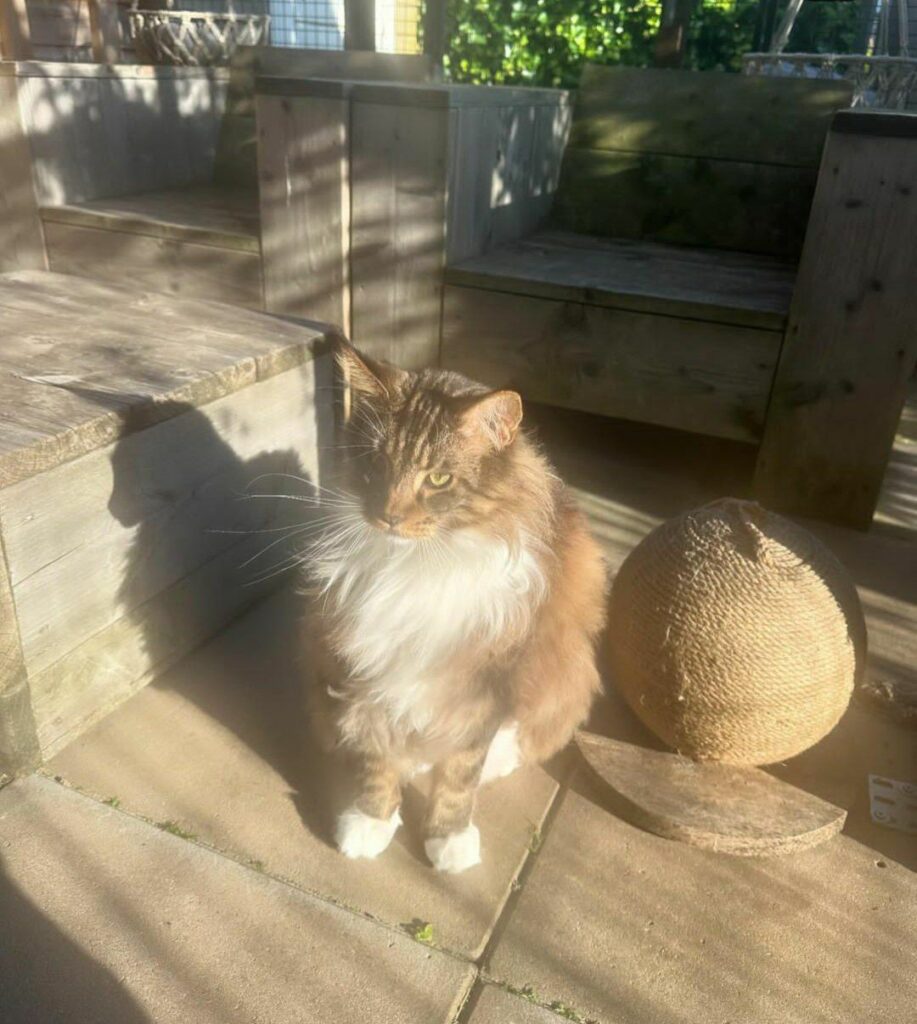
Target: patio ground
174, 862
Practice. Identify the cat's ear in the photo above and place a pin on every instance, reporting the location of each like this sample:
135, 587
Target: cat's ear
363, 376
493, 418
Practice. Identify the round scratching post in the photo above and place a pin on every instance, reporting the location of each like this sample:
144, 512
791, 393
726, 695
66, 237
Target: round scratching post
735, 635
737, 638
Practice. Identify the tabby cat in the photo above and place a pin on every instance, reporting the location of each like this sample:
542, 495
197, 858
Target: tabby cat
456, 600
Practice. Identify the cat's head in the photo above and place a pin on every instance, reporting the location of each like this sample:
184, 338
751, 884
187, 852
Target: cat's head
423, 452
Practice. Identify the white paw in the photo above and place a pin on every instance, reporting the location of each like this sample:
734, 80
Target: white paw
504, 756
359, 835
456, 852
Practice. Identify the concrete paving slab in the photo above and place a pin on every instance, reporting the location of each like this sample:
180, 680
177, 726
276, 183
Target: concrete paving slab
108, 920
220, 746
494, 1005
629, 928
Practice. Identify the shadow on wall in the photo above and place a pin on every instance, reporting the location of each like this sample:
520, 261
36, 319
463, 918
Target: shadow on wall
46, 977
213, 548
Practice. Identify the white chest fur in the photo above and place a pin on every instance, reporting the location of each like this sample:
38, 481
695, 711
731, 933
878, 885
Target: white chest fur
405, 608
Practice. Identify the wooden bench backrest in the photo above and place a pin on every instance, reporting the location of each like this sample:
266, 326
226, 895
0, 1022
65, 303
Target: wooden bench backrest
97, 132
696, 157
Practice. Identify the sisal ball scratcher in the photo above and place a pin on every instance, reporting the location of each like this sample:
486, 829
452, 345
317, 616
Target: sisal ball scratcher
735, 635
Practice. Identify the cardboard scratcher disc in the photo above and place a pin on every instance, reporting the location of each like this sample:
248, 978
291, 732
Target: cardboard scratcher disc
730, 809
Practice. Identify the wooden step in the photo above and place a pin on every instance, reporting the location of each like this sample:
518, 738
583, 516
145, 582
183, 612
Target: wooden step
130, 425
198, 241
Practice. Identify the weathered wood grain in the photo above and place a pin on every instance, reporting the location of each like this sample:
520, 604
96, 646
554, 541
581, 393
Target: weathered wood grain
108, 667
504, 167
709, 378
161, 264
724, 204
21, 243
138, 516
99, 135
304, 185
18, 740
646, 277
851, 342
222, 216
715, 115
82, 362
736, 810
398, 215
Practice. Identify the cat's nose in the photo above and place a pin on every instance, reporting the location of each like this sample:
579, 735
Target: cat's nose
391, 519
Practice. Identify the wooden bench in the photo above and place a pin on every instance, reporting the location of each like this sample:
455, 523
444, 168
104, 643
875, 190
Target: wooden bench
149, 175
661, 290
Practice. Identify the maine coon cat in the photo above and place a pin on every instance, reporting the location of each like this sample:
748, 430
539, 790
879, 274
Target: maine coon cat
456, 599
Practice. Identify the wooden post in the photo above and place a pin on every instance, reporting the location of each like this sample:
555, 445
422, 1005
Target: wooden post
105, 31
851, 340
359, 24
434, 34
15, 32
669, 51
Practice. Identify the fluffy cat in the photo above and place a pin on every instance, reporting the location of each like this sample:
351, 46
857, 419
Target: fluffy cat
456, 599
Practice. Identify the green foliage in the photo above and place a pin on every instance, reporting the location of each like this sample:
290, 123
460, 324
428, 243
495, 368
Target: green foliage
545, 42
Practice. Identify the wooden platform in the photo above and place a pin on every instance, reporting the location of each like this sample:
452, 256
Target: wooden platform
130, 422
199, 241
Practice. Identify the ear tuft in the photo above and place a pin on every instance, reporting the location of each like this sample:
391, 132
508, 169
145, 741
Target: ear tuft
362, 376
494, 418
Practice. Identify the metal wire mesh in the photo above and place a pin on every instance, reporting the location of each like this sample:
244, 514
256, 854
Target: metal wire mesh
319, 24
307, 24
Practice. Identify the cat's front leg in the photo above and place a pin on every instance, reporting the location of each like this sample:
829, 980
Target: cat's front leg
366, 828
453, 843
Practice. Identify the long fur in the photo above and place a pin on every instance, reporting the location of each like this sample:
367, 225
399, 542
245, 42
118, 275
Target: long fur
442, 616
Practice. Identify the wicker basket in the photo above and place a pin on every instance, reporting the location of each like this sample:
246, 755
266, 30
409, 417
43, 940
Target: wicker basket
195, 38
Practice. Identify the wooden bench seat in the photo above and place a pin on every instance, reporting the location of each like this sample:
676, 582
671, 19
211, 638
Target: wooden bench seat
730, 287
662, 291
223, 216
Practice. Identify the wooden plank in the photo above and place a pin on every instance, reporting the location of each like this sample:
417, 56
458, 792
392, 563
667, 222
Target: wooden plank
94, 678
15, 31
121, 134
289, 62
708, 378
18, 739
60, 30
647, 277
851, 342
220, 216
84, 362
710, 114
304, 187
21, 243
732, 809
135, 517
398, 196
165, 265
504, 165
751, 207
359, 24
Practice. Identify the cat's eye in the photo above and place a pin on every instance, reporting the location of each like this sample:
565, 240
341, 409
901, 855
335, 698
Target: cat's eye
439, 480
